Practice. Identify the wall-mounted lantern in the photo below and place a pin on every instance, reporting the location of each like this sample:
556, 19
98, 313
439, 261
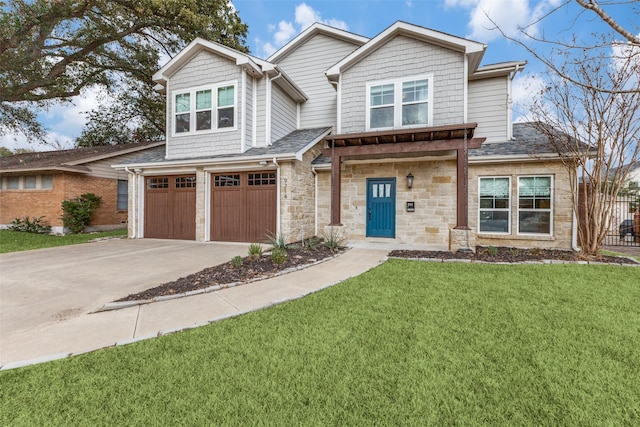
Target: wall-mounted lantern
409, 181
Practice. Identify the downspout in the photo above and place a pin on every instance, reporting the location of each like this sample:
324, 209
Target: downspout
134, 202
315, 200
279, 196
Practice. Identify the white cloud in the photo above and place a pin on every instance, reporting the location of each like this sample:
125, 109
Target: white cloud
304, 17
64, 122
284, 33
523, 90
508, 15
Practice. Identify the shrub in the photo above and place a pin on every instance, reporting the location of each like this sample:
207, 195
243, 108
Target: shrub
277, 240
255, 251
311, 243
236, 261
35, 225
278, 255
493, 251
334, 239
77, 212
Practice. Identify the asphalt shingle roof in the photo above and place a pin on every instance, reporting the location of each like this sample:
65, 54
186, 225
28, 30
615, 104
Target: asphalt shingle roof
64, 158
289, 144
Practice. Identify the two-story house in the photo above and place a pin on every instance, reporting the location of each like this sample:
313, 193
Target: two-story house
404, 137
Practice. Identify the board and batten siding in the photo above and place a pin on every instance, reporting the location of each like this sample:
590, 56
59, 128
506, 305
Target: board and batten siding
204, 69
284, 113
489, 107
405, 57
306, 66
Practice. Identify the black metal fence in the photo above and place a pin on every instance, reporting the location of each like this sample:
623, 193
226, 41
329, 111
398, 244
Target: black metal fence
623, 231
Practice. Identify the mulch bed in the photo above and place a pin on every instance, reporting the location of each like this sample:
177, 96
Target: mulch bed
263, 267
512, 255
226, 273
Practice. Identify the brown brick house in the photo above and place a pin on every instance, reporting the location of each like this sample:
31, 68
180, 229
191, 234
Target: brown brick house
35, 184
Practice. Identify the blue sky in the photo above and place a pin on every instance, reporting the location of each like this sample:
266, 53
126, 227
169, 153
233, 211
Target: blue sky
274, 22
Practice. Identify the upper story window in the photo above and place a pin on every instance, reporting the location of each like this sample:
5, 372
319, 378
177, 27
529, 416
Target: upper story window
205, 109
400, 103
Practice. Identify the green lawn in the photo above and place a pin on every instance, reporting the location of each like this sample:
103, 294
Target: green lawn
14, 241
408, 343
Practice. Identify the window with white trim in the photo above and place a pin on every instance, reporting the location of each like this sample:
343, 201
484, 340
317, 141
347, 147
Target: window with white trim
535, 208
205, 109
400, 103
494, 205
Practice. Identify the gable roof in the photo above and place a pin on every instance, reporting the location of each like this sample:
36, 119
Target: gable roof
473, 49
72, 160
254, 66
309, 33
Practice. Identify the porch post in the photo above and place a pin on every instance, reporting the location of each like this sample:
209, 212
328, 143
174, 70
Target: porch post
335, 189
462, 205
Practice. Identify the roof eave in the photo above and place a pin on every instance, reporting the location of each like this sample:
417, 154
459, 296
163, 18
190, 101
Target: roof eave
475, 50
115, 154
316, 28
207, 162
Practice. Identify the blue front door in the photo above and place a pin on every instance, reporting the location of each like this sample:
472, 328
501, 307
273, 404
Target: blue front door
381, 207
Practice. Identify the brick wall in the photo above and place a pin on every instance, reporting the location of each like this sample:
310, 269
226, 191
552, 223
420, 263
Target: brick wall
47, 203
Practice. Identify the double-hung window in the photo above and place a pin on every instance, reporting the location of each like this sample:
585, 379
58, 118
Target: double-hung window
400, 103
535, 205
495, 202
205, 109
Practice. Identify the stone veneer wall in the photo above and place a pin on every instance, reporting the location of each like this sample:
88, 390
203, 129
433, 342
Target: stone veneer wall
297, 197
561, 237
434, 194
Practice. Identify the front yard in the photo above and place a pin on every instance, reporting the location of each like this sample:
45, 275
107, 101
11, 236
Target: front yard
408, 343
14, 241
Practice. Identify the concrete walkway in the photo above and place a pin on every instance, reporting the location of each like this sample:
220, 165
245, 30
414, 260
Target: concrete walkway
84, 332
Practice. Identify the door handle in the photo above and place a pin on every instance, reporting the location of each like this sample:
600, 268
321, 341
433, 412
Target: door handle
369, 215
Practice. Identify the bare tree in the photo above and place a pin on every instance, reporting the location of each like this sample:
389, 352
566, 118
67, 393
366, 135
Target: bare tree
595, 129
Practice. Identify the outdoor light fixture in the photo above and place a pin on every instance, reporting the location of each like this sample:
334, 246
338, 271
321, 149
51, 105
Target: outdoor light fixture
409, 181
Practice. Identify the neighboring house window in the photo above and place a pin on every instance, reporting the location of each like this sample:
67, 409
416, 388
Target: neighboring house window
534, 205
205, 109
495, 202
13, 183
123, 194
401, 103
46, 182
29, 182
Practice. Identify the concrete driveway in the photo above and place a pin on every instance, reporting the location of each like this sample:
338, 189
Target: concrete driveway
46, 286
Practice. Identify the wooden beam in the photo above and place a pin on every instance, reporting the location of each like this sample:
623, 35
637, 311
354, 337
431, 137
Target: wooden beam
452, 128
462, 190
335, 189
404, 147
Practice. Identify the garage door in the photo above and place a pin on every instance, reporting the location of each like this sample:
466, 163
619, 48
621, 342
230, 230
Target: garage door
170, 207
243, 206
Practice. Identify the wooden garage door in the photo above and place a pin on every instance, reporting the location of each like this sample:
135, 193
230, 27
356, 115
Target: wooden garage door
243, 206
170, 207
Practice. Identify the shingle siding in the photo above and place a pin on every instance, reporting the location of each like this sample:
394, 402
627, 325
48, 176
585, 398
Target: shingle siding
204, 69
404, 57
489, 107
306, 66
